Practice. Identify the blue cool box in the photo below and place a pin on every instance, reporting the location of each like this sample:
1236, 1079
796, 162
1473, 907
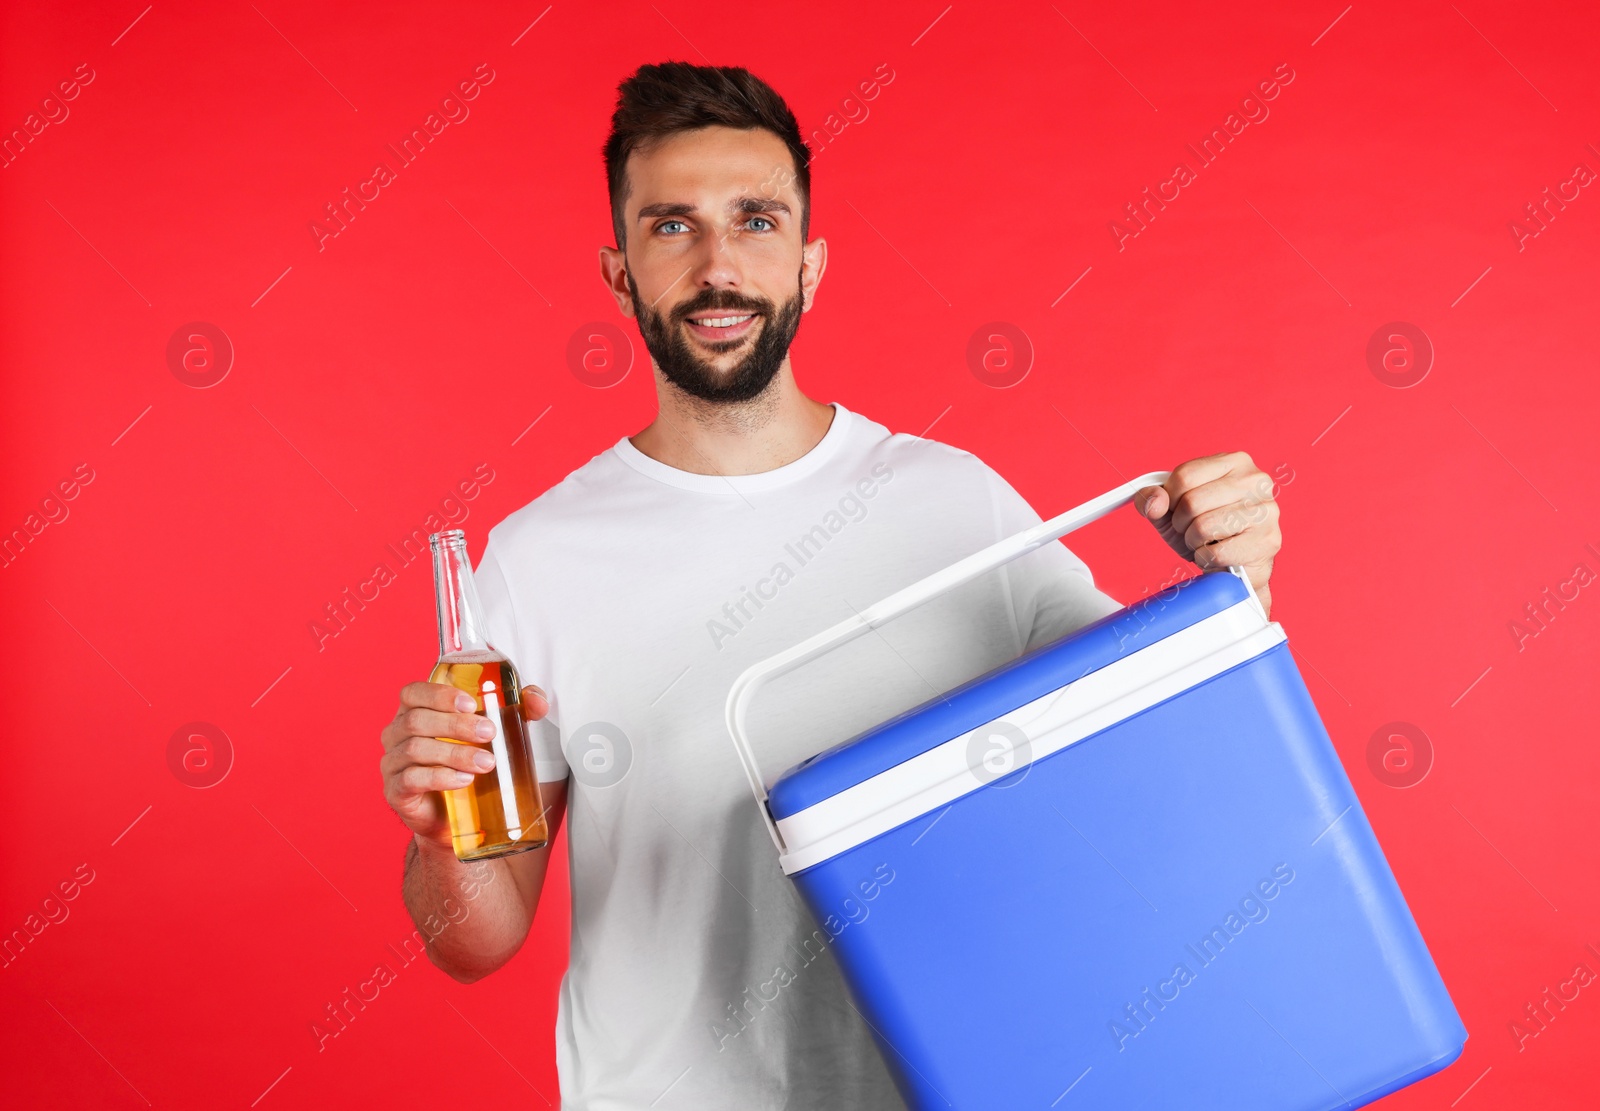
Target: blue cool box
1124, 870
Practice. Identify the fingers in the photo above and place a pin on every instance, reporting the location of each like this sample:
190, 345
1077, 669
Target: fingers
535, 703
1215, 499
1237, 553
424, 708
1187, 478
418, 722
1219, 511
435, 743
420, 736
430, 754
421, 779
437, 696
1208, 468
1242, 487
1152, 502
417, 767
1228, 520
1240, 551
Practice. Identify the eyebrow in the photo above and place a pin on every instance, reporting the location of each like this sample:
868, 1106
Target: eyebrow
747, 205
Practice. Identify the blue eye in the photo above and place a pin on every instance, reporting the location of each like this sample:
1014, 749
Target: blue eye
764, 220
663, 226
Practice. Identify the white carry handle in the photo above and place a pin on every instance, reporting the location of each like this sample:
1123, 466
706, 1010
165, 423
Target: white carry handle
1004, 551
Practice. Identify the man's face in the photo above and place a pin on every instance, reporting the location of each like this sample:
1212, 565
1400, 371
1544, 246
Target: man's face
719, 345
714, 265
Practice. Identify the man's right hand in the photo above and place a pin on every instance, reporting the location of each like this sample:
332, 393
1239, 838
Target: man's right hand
417, 765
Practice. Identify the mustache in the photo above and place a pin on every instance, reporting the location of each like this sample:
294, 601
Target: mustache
726, 304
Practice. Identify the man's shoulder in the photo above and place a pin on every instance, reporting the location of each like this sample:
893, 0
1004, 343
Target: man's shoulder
940, 460
578, 497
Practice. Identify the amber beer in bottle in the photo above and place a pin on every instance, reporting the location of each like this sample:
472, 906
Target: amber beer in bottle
499, 812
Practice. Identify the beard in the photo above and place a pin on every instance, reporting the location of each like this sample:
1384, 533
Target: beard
665, 336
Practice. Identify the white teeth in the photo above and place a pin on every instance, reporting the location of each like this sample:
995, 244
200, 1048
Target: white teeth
722, 321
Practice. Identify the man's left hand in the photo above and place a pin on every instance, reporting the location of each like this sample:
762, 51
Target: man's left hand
1218, 511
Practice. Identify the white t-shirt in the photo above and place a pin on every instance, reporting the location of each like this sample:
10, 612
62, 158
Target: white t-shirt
634, 593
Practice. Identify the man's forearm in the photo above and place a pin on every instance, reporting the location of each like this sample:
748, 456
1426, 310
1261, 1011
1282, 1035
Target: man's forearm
471, 914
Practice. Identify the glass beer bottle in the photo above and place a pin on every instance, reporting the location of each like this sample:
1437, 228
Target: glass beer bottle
500, 811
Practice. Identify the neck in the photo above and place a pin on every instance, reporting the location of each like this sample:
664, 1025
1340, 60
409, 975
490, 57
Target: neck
734, 438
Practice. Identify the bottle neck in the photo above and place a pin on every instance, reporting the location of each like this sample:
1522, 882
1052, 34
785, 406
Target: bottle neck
461, 622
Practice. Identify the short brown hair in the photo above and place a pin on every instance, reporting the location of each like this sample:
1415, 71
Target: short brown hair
660, 100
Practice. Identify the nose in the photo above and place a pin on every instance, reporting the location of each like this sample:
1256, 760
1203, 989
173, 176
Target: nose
717, 265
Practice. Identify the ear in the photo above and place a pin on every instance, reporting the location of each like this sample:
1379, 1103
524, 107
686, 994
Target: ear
813, 261
614, 273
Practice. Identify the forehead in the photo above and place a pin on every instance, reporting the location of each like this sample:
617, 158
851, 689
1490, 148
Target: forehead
709, 166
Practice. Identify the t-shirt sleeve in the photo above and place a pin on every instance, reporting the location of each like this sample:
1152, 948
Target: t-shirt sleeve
498, 599
1052, 590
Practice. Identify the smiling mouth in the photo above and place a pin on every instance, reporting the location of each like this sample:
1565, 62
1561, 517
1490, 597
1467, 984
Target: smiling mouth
728, 326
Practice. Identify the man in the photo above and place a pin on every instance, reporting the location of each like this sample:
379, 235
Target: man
743, 519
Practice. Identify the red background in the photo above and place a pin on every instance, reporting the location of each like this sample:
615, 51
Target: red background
369, 377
